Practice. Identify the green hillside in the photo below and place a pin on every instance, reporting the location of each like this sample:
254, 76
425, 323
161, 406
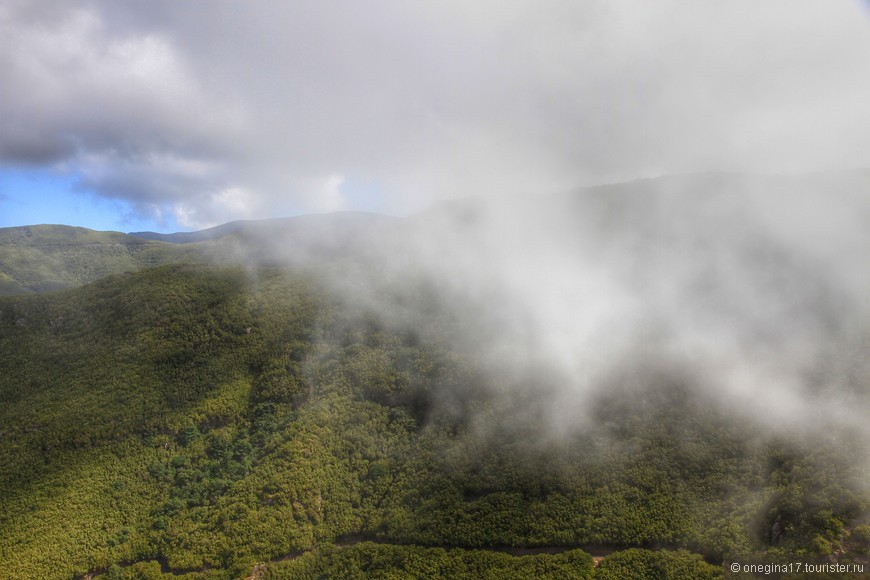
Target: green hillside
51, 257
188, 421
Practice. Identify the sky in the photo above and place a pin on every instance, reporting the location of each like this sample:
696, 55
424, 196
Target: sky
169, 116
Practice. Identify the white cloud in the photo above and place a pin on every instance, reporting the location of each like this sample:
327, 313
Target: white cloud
430, 101
230, 204
324, 195
331, 197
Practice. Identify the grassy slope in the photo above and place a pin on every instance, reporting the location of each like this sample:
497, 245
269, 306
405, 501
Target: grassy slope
200, 421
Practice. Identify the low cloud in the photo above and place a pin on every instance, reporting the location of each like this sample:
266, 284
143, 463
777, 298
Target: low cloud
747, 291
166, 105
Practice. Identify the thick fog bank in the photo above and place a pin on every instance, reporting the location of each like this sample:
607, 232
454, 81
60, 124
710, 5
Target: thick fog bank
751, 292
754, 287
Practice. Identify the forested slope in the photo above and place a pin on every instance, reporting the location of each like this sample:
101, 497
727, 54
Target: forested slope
214, 423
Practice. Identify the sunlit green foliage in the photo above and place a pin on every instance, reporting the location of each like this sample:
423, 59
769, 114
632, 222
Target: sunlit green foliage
658, 565
369, 560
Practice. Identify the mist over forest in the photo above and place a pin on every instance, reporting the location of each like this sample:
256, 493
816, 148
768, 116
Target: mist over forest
444, 289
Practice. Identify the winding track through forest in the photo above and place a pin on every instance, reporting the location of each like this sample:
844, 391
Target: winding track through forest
597, 552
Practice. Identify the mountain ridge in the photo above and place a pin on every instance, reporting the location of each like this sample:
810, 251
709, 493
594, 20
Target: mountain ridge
237, 226
44, 257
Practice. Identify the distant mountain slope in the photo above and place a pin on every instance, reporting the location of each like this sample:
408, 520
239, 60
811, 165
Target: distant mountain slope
319, 239
350, 222
49, 257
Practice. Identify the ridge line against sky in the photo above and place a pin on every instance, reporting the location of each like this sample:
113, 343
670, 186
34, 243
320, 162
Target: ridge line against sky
170, 116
